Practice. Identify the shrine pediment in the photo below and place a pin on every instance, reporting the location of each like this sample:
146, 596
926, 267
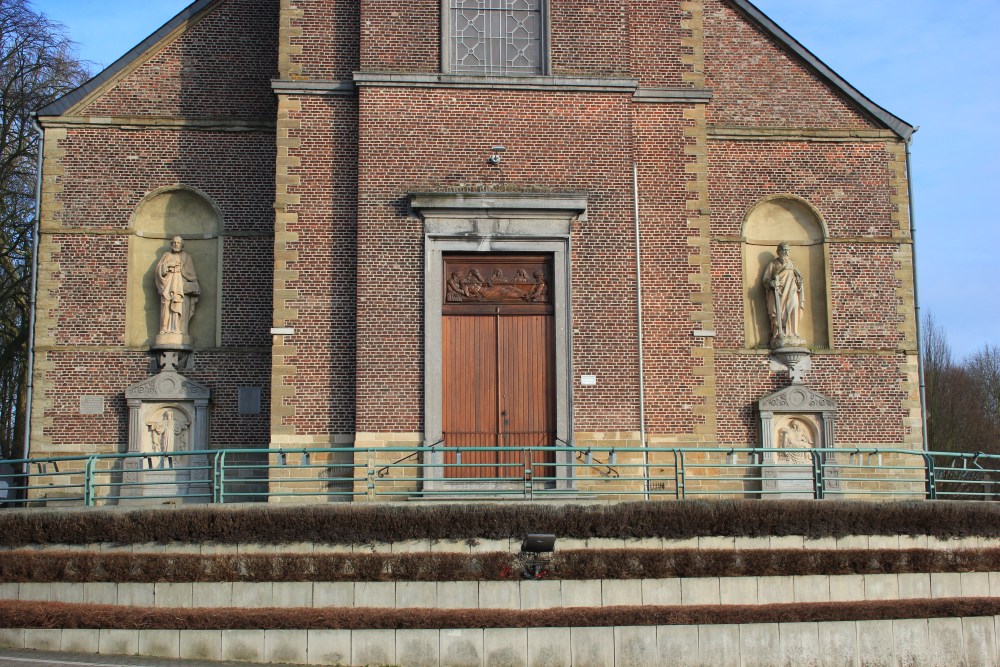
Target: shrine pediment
168, 386
796, 398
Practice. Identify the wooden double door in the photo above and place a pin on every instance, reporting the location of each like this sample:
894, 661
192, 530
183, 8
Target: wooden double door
498, 345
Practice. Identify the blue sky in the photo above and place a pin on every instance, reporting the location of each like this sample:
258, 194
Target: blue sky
933, 64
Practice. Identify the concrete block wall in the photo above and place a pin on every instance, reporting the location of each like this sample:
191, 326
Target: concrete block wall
968, 641
517, 595
937, 641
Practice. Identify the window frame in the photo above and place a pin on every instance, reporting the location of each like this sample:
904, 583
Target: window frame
448, 66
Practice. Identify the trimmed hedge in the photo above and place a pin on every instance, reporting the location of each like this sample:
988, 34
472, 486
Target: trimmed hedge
31, 566
47, 615
363, 524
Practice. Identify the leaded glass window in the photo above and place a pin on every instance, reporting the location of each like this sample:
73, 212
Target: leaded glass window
496, 37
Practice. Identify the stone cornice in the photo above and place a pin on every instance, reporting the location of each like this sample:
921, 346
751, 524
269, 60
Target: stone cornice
851, 135
673, 95
546, 83
858, 240
343, 87
886, 352
346, 87
160, 122
115, 231
500, 204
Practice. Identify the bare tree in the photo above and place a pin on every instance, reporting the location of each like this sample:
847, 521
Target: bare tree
940, 378
963, 413
37, 65
984, 367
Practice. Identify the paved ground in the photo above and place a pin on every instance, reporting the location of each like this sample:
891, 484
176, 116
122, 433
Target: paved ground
12, 658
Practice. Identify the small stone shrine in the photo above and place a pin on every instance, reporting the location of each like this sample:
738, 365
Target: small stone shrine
168, 413
796, 418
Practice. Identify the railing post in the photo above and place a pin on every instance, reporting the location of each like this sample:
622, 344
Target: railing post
88, 482
930, 477
819, 483
370, 490
528, 476
679, 473
218, 477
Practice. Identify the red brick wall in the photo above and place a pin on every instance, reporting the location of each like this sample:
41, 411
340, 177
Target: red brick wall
757, 83
222, 66
329, 41
727, 294
849, 185
401, 35
864, 296
103, 373
655, 37
106, 173
589, 38
326, 259
441, 139
667, 289
865, 387
359, 257
91, 298
108, 373
109, 171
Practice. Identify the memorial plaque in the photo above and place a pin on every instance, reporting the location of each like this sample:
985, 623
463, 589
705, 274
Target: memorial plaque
249, 400
91, 405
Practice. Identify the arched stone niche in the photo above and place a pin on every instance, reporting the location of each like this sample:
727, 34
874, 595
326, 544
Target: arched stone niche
161, 215
788, 219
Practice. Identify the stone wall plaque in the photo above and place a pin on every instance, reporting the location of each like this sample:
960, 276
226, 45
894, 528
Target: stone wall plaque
249, 400
91, 405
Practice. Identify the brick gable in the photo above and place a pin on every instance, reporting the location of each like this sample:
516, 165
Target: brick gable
219, 65
757, 83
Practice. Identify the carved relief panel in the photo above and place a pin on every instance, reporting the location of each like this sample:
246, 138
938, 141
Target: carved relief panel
793, 433
168, 429
516, 283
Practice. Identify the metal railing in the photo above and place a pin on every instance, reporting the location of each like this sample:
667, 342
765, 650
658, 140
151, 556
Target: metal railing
352, 474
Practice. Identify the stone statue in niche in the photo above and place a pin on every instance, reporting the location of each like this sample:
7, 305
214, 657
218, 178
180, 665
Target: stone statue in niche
168, 431
794, 436
177, 283
783, 285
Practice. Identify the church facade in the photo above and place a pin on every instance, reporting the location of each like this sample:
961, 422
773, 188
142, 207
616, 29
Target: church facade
482, 223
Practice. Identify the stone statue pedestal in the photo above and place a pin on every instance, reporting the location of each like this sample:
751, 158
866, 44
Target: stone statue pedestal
796, 361
168, 416
779, 343
173, 341
796, 419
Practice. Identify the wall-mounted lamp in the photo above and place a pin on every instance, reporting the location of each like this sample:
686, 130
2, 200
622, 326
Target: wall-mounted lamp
536, 554
495, 158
